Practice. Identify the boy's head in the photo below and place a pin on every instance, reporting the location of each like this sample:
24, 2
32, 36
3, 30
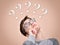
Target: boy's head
28, 24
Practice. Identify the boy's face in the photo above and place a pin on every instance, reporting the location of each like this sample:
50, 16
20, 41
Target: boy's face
31, 24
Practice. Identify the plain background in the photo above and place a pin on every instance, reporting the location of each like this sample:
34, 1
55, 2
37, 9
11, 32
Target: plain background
9, 26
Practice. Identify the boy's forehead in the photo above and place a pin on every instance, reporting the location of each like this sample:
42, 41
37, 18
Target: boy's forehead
31, 19
27, 20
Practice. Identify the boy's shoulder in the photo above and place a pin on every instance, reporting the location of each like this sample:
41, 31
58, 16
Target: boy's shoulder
50, 41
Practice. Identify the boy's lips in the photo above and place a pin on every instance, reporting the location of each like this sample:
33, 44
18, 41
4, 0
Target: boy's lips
34, 31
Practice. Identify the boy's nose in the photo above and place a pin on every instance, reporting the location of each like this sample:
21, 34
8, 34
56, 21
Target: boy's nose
34, 24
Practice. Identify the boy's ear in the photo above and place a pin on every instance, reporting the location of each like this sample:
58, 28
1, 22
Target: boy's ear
27, 35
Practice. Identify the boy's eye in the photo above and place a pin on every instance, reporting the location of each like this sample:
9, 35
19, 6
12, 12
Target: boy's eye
27, 24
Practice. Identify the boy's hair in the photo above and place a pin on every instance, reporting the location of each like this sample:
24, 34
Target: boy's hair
22, 30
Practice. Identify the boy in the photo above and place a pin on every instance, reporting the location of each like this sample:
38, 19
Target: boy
30, 29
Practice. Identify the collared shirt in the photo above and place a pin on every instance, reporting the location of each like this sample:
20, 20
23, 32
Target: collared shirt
31, 41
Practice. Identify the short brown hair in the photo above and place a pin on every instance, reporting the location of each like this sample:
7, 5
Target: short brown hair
22, 30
